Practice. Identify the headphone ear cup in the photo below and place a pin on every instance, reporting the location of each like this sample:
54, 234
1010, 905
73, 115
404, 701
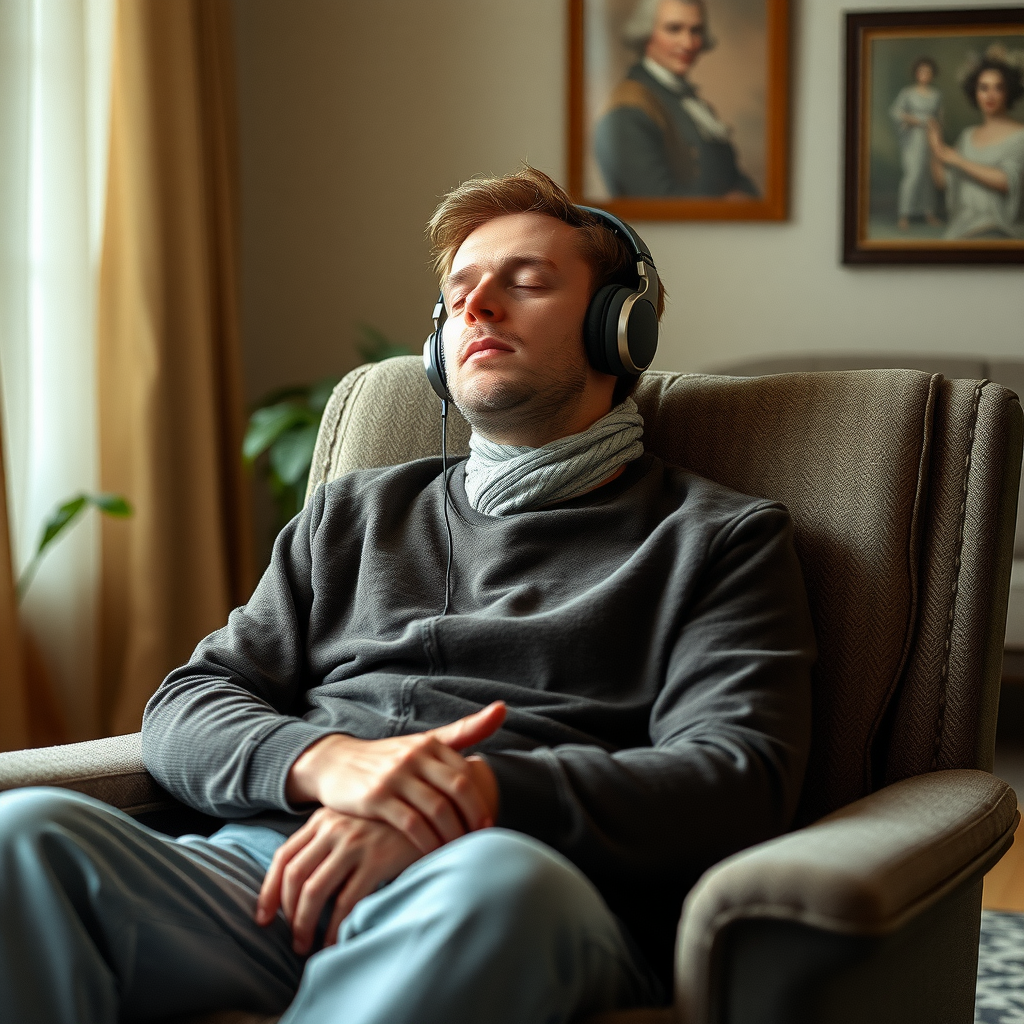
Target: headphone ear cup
433, 364
601, 327
642, 333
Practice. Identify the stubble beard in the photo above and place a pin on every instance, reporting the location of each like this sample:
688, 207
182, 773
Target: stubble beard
529, 406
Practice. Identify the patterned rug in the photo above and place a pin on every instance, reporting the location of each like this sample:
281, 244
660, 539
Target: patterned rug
1000, 998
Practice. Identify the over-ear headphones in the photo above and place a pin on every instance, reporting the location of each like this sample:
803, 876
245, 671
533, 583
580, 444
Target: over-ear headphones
620, 328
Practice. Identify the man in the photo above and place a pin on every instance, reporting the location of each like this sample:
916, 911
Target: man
658, 137
627, 650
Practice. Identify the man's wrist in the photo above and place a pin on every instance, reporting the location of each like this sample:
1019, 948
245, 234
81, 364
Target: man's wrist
302, 783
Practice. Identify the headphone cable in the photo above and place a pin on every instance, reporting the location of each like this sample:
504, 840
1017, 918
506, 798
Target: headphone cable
447, 522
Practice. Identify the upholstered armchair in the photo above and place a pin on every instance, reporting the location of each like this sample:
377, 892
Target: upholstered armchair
903, 487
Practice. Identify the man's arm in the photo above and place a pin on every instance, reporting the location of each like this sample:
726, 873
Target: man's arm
222, 732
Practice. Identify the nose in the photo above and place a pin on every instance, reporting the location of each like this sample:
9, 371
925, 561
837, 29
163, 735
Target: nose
483, 303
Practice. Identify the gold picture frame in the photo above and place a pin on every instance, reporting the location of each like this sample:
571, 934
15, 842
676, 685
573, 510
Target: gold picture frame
912, 107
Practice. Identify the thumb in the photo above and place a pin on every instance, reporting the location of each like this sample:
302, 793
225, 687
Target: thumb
473, 729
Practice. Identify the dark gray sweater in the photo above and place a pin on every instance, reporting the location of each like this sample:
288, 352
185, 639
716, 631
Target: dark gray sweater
652, 642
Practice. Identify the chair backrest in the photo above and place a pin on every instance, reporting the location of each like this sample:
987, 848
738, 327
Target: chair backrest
1008, 372
902, 486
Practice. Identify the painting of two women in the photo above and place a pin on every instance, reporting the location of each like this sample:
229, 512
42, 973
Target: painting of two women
947, 150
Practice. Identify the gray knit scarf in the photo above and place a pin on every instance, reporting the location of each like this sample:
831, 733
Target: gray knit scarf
502, 478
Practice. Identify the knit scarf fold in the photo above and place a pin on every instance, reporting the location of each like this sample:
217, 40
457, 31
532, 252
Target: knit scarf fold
501, 478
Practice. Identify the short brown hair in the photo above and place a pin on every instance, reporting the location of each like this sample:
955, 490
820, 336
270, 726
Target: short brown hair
479, 200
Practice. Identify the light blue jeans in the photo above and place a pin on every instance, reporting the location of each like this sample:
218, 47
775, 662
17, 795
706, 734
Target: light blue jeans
103, 920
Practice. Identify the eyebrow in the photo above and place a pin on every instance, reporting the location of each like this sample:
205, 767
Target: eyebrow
515, 263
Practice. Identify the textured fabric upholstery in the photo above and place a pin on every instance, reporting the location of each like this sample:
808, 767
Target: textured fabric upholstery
867, 870
861, 438
1009, 373
382, 414
110, 770
946, 717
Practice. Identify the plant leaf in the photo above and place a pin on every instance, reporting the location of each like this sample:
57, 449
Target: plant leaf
320, 393
62, 517
267, 425
376, 346
111, 504
292, 453
292, 393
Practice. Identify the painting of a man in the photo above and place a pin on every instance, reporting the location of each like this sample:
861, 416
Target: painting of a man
658, 136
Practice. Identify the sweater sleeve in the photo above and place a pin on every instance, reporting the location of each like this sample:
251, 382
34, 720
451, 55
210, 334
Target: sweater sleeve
730, 731
220, 732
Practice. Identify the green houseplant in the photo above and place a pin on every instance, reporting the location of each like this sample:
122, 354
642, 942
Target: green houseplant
282, 429
61, 518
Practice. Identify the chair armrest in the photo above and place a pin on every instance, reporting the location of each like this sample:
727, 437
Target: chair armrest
110, 770
866, 870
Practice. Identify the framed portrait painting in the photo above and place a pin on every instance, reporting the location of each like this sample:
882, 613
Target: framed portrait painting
678, 109
934, 137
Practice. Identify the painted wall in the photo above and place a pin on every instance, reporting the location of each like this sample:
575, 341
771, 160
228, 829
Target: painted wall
356, 117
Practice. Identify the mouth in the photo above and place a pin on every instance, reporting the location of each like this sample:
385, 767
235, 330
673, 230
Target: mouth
484, 348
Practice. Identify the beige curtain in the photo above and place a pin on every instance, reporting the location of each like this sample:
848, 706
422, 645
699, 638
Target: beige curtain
169, 365
14, 726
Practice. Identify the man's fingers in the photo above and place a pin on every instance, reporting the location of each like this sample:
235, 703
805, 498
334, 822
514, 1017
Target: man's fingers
449, 773
359, 884
298, 870
432, 803
473, 729
406, 819
269, 899
321, 884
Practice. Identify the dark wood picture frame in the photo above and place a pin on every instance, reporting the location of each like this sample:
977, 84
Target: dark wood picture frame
862, 30
771, 205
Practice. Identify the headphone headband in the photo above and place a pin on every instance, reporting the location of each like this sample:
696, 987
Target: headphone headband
636, 243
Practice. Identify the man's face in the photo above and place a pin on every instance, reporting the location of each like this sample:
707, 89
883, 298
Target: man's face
678, 36
514, 357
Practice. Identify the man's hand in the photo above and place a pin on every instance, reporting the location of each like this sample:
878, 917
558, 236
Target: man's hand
331, 852
417, 784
